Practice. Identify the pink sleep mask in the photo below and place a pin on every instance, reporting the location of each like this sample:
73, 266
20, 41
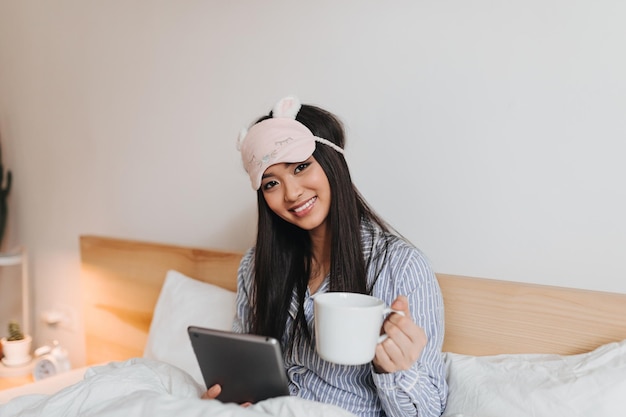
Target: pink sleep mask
280, 139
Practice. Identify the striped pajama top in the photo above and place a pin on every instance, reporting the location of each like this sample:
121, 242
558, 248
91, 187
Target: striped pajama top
418, 391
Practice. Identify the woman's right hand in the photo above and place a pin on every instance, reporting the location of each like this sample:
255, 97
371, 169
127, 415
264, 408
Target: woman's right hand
212, 392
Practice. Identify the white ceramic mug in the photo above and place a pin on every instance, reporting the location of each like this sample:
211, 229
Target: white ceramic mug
347, 326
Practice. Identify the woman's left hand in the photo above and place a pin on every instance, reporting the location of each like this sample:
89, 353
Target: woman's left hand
404, 343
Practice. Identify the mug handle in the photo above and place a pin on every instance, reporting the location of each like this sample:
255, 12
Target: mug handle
387, 311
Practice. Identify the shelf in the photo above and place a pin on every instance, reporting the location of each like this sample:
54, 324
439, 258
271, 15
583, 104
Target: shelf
11, 258
17, 257
7, 382
16, 371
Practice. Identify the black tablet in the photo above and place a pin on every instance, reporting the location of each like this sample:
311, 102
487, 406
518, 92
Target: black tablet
248, 367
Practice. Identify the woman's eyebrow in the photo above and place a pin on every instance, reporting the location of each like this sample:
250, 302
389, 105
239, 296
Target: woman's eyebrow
286, 164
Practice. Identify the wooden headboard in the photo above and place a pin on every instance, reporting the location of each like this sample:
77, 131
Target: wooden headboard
121, 280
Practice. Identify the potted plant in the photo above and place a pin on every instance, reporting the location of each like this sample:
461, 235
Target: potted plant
16, 346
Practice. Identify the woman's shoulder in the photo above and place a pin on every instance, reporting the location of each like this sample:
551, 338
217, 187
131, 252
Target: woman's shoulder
246, 265
393, 257
376, 240
248, 257
398, 250
249, 253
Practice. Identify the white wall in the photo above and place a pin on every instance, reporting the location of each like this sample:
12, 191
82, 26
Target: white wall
489, 133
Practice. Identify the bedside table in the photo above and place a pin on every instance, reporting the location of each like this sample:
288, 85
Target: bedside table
16, 381
14, 376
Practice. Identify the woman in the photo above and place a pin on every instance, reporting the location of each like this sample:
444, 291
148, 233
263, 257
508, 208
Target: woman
316, 234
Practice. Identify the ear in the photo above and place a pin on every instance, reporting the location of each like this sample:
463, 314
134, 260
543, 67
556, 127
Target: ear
287, 107
242, 135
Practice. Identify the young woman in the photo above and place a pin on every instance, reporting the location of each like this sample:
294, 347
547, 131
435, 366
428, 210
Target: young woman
316, 234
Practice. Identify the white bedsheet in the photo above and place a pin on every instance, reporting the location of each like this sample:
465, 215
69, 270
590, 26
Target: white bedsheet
144, 387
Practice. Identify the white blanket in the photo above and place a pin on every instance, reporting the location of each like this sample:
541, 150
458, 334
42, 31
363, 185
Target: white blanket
143, 387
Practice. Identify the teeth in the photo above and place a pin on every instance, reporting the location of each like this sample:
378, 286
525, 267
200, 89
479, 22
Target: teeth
305, 206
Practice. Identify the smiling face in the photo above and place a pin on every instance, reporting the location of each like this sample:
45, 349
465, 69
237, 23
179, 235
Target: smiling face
299, 193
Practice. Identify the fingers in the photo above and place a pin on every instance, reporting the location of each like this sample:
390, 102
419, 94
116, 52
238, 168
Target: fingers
401, 303
397, 324
212, 393
405, 341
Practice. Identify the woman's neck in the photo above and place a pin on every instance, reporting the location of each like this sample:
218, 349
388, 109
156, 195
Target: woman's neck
320, 262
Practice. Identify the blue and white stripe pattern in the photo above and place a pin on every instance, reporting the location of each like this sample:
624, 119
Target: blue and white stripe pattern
419, 391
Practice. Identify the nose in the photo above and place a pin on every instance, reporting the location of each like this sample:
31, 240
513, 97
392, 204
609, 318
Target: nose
293, 190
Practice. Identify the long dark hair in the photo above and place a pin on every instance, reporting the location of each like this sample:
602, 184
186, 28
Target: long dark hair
283, 251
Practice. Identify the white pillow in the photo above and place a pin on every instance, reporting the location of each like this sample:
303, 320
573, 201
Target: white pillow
184, 301
589, 384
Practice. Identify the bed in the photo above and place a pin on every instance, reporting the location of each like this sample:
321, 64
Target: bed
511, 349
